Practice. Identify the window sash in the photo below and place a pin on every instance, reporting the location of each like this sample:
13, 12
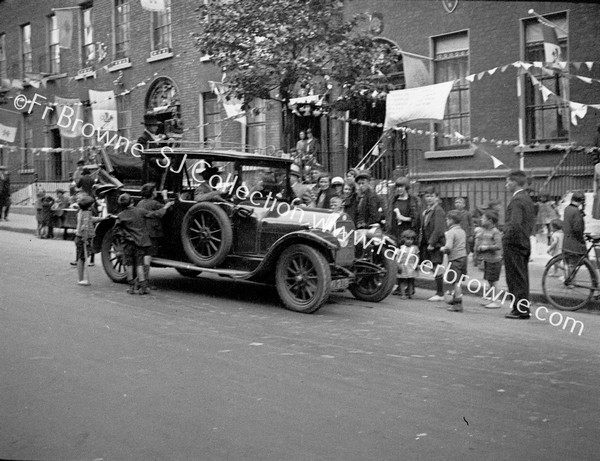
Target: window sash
54, 48
545, 120
27, 56
88, 48
161, 28
3, 63
212, 119
121, 29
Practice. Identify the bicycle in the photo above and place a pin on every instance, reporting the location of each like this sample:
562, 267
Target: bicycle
570, 280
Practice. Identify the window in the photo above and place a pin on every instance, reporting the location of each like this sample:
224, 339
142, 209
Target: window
257, 127
121, 29
54, 48
88, 49
3, 65
212, 120
26, 57
451, 62
545, 120
161, 28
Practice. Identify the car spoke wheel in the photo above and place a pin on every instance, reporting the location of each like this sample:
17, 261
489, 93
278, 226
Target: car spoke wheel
375, 277
303, 278
112, 257
206, 234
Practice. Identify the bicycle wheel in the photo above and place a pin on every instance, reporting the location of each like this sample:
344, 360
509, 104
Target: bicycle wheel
569, 292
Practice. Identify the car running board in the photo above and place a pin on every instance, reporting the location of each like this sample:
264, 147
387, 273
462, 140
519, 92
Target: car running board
232, 273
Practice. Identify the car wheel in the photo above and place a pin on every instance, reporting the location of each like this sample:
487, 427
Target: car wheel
303, 278
112, 257
375, 278
206, 234
187, 272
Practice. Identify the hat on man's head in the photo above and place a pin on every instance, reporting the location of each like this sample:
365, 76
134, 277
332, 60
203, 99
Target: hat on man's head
81, 161
60, 191
295, 170
578, 196
363, 174
337, 181
86, 202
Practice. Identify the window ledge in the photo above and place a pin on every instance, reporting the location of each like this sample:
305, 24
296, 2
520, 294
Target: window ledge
55, 76
119, 64
159, 55
544, 147
466, 152
85, 73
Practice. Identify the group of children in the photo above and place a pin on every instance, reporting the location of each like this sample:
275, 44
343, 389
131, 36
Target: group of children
139, 228
487, 246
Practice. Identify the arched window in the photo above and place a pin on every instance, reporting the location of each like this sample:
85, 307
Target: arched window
162, 100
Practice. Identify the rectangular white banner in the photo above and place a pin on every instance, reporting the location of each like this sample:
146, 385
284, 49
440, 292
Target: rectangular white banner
422, 103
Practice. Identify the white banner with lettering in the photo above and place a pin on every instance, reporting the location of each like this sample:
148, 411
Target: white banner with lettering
422, 103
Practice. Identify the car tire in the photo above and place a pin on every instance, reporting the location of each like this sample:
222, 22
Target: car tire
112, 256
376, 287
206, 234
303, 278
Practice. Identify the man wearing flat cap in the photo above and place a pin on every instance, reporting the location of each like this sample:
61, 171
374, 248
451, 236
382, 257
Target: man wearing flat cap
301, 191
369, 210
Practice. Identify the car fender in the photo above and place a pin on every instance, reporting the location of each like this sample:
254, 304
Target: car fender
322, 241
101, 229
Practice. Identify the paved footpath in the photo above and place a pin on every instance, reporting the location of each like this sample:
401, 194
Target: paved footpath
26, 223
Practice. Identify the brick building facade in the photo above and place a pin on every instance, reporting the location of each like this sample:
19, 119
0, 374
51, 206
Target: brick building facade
464, 38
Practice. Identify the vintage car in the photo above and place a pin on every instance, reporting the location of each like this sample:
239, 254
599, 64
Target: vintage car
252, 231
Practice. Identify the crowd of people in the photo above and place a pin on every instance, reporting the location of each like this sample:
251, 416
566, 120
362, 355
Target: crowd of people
421, 226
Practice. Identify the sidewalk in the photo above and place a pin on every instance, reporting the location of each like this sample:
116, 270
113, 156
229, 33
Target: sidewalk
26, 223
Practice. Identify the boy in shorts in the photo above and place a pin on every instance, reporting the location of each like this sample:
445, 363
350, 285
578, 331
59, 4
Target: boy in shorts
456, 248
488, 244
131, 223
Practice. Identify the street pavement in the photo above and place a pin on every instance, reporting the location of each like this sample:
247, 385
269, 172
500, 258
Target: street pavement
211, 369
26, 224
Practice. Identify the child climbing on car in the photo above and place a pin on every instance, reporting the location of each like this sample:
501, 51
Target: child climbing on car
131, 224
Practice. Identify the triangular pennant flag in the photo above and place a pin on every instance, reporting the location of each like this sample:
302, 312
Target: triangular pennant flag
589, 64
584, 79
17, 84
470, 78
518, 64
491, 71
503, 68
480, 75
563, 65
595, 106
577, 65
545, 92
577, 110
526, 65
538, 64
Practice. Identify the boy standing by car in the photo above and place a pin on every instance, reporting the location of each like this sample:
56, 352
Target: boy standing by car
131, 223
83, 236
456, 247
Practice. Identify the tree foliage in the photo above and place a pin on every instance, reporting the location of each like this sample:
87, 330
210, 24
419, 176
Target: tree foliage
281, 49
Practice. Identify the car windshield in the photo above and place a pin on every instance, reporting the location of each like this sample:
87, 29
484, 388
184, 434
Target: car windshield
264, 180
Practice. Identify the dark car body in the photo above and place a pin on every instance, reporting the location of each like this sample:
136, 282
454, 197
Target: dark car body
253, 232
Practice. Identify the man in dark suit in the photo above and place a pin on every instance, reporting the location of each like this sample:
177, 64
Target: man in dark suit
369, 210
520, 220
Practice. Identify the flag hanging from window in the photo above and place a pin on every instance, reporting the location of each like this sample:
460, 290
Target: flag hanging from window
416, 71
64, 21
69, 110
232, 106
104, 110
9, 123
154, 5
552, 52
